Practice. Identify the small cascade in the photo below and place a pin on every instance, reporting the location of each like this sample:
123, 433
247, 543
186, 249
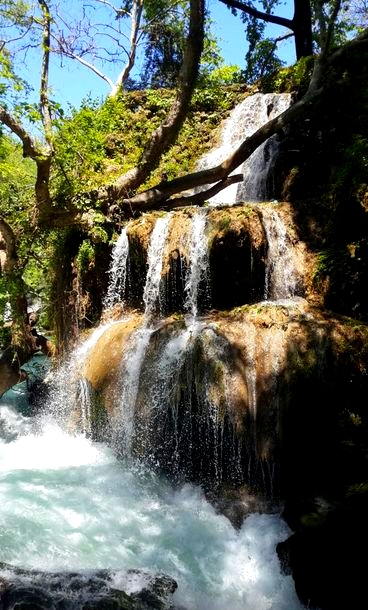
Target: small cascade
118, 271
151, 295
84, 400
68, 389
282, 280
128, 391
244, 120
136, 350
181, 422
198, 271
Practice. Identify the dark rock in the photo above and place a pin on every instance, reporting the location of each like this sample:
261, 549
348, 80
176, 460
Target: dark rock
325, 555
33, 590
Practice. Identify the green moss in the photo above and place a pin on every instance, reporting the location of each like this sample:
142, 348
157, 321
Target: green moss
312, 520
99, 142
99, 417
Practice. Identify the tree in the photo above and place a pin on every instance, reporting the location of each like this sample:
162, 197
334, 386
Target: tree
46, 213
306, 26
122, 192
300, 25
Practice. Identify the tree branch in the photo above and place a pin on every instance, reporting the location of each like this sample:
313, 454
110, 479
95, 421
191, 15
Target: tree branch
203, 196
44, 97
162, 192
7, 234
30, 148
136, 16
246, 8
164, 136
87, 64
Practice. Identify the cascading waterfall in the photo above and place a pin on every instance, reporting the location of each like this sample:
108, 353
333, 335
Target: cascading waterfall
244, 120
151, 294
198, 269
135, 352
118, 271
69, 503
281, 281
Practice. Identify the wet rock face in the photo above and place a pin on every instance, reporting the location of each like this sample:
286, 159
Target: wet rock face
237, 257
233, 252
322, 555
100, 590
240, 397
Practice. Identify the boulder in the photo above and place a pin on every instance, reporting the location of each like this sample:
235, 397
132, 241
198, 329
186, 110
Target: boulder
88, 590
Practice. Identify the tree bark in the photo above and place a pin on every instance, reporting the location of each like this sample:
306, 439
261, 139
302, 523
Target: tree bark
302, 28
160, 195
17, 297
166, 134
300, 24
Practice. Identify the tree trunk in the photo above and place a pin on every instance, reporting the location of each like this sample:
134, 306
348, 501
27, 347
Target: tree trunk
302, 27
166, 134
21, 340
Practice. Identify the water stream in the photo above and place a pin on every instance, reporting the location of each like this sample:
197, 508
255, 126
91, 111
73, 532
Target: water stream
198, 270
242, 122
69, 504
118, 270
282, 281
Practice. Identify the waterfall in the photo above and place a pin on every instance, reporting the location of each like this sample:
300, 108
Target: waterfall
191, 397
84, 399
151, 295
282, 280
68, 390
136, 350
130, 376
117, 271
198, 270
244, 120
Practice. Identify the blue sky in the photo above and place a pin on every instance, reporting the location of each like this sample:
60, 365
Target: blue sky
73, 82
230, 30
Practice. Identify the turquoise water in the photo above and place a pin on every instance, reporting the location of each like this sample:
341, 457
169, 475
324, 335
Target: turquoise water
67, 503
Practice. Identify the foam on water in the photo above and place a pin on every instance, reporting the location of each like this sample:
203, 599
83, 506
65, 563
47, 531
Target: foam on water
67, 503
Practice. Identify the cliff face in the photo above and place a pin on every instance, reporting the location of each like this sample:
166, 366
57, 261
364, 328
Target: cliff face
322, 170
252, 390
265, 384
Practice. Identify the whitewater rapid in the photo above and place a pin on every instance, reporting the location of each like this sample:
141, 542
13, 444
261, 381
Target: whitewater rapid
68, 503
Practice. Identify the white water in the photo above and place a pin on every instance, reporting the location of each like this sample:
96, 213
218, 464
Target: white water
68, 504
118, 271
244, 120
129, 384
199, 264
151, 294
281, 274
67, 388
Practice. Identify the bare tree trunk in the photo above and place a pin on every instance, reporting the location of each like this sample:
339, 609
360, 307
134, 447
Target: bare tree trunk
300, 24
302, 28
136, 15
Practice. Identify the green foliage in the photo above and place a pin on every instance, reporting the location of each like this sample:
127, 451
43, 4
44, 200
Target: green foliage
5, 336
165, 36
85, 256
287, 80
353, 168
97, 143
17, 176
262, 61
